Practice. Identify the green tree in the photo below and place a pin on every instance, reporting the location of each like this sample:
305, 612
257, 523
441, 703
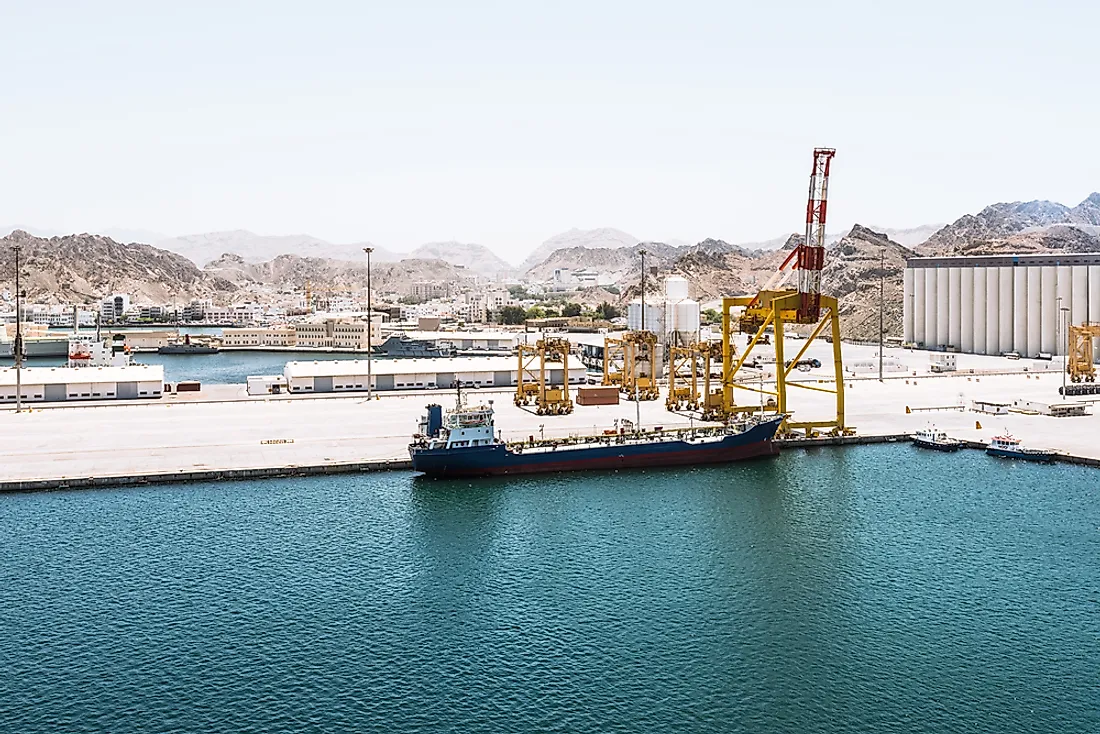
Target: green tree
607, 311
536, 312
571, 309
712, 315
512, 315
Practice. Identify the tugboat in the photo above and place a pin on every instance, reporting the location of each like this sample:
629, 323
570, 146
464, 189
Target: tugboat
463, 443
401, 346
187, 346
930, 438
1008, 447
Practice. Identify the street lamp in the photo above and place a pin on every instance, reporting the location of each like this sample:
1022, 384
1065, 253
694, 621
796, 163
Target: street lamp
370, 348
17, 345
1065, 354
881, 305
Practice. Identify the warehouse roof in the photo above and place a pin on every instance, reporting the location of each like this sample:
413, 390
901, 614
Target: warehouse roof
471, 335
1005, 261
76, 375
341, 367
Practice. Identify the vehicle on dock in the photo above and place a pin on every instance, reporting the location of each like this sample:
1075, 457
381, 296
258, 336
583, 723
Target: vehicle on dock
463, 443
1008, 447
933, 438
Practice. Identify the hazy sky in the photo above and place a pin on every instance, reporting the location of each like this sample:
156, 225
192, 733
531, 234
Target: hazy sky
506, 122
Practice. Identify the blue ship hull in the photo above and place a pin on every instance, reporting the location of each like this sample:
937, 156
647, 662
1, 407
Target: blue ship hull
1041, 457
498, 459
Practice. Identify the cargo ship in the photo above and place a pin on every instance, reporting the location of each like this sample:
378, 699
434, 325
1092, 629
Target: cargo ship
186, 345
463, 443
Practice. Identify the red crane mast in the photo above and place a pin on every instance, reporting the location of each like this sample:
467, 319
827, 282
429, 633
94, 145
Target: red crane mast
811, 253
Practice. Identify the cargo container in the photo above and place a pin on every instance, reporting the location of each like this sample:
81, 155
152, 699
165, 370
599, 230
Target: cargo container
597, 395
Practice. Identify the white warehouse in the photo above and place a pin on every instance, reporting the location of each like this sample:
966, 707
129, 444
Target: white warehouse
1000, 303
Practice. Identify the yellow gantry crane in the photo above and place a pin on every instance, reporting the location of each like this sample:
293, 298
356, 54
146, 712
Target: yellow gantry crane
775, 309
691, 368
534, 380
613, 358
1079, 362
639, 380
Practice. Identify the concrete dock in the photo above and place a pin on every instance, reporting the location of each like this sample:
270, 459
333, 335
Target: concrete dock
227, 434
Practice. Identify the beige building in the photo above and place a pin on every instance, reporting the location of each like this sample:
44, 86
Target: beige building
337, 334
272, 336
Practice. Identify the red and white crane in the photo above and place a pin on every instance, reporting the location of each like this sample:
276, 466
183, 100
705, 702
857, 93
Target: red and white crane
809, 257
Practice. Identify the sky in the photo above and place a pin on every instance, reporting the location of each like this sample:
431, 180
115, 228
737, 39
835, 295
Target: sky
504, 123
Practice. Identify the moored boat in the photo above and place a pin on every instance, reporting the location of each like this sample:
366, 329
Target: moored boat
1008, 447
463, 443
931, 438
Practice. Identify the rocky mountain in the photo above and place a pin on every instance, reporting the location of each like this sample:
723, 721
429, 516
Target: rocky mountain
85, 268
603, 238
205, 247
852, 274
289, 272
477, 258
614, 263
991, 228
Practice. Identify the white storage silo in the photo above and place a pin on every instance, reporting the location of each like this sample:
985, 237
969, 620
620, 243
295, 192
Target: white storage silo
1034, 310
1004, 309
907, 305
954, 306
1049, 300
1080, 308
685, 321
993, 311
966, 309
917, 304
931, 298
654, 318
1065, 293
943, 300
1019, 310
981, 310
676, 288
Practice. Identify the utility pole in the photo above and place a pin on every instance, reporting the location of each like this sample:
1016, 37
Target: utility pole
370, 347
17, 346
642, 253
1065, 354
881, 305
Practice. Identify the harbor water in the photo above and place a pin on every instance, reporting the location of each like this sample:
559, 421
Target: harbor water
866, 589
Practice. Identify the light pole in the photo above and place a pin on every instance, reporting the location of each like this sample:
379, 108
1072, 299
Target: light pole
642, 253
370, 347
1065, 355
881, 304
17, 345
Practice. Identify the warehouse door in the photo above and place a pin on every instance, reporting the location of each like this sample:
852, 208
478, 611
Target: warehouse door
502, 379
383, 382
54, 393
555, 377
322, 384
445, 379
127, 390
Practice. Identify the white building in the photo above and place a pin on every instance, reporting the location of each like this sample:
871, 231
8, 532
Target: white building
411, 374
58, 384
113, 307
1000, 303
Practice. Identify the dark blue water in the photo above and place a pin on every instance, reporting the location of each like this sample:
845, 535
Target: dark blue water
221, 368
873, 589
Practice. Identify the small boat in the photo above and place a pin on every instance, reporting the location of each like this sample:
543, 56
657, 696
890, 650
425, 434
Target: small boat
1008, 447
931, 438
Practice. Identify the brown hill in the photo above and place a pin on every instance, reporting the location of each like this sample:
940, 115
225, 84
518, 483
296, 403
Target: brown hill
84, 268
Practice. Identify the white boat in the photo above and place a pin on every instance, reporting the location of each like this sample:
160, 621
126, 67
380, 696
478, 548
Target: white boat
1008, 447
89, 352
933, 438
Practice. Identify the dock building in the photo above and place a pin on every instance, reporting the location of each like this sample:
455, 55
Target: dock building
410, 374
1000, 303
57, 384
